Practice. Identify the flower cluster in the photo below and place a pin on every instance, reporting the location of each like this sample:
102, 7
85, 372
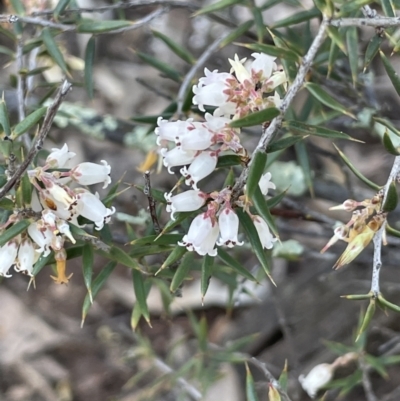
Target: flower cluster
366, 220
195, 147
55, 205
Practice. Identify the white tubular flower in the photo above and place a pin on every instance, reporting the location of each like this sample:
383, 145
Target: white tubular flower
92, 173
177, 157
50, 219
199, 138
216, 123
60, 195
273, 82
59, 157
229, 227
91, 207
241, 72
8, 254
207, 246
203, 165
63, 227
318, 377
171, 130
201, 227
40, 237
26, 257
264, 64
187, 201
266, 238
265, 183
210, 91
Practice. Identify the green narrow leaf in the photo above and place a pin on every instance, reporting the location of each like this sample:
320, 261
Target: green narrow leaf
151, 119
27, 123
283, 378
7, 204
353, 5
86, 25
179, 50
87, 268
174, 256
327, 99
251, 394
333, 56
317, 130
206, 272
165, 239
304, 162
229, 161
165, 68
372, 49
255, 172
284, 143
42, 262
89, 60
298, 18
53, 50
13, 231
272, 202
337, 37
364, 179
121, 256
387, 143
219, 5
394, 77
237, 33
387, 7
182, 271
275, 51
136, 310
386, 304
251, 232
235, 265
257, 118
369, 314
259, 22
141, 294
352, 50
18, 7
260, 204
26, 190
392, 198
60, 8
387, 124
98, 283
4, 120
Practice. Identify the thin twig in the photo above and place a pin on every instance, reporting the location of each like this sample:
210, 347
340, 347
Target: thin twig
152, 202
41, 136
123, 5
21, 87
379, 22
269, 376
377, 263
192, 72
70, 28
287, 100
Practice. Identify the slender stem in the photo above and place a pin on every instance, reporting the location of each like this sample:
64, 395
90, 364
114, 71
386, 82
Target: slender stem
378, 22
152, 202
123, 5
72, 27
41, 136
377, 263
189, 76
268, 134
